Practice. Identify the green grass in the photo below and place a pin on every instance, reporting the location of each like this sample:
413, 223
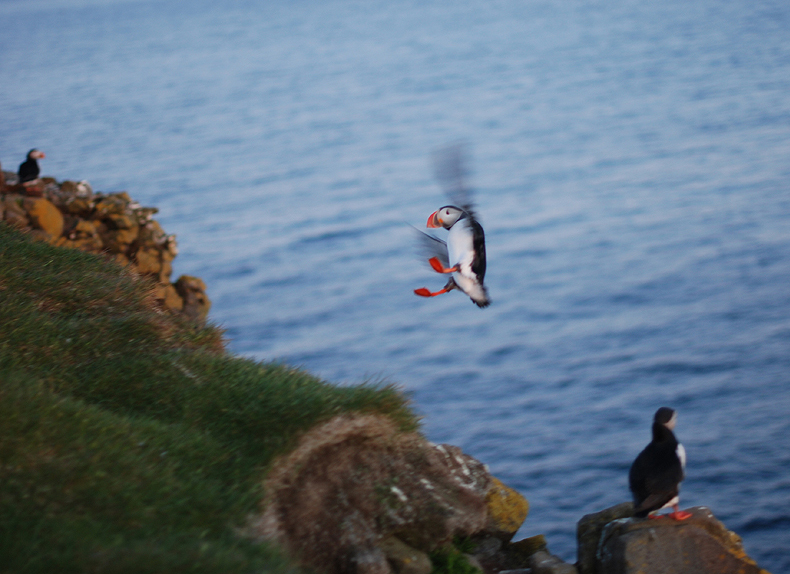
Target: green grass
450, 559
129, 440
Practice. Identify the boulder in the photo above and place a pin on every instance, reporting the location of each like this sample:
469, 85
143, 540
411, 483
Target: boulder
528, 546
193, 293
588, 533
152, 234
494, 555
172, 300
370, 560
166, 268
112, 204
149, 261
78, 206
542, 562
119, 240
355, 481
44, 215
403, 559
15, 214
507, 510
698, 545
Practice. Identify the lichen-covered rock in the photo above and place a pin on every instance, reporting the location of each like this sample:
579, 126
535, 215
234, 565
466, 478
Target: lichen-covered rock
355, 481
507, 510
698, 545
44, 215
588, 533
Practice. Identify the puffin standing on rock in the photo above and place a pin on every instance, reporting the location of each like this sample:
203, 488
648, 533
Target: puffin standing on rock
656, 474
464, 253
28, 169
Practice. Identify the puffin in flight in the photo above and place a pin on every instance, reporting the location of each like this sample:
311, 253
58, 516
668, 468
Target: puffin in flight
28, 169
656, 474
463, 256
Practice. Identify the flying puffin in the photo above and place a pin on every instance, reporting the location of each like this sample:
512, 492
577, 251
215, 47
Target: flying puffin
656, 474
28, 169
464, 254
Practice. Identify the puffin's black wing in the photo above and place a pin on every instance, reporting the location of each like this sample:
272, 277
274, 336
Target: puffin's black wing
450, 170
28, 170
431, 246
479, 246
655, 477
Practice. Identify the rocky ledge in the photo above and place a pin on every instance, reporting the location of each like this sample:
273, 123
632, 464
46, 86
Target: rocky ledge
70, 214
358, 497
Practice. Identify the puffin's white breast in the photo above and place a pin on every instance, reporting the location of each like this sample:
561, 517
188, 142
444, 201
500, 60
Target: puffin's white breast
460, 247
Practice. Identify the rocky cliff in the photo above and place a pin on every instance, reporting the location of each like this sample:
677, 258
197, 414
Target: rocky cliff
69, 214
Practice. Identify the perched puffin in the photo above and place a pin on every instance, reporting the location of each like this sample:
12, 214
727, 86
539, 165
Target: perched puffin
464, 253
656, 474
28, 169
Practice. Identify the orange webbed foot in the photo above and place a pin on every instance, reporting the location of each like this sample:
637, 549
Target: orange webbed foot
423, 292
439, 268
680, 515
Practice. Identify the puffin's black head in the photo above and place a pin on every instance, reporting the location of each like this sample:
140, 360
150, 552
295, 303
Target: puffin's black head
665, 417
35, 154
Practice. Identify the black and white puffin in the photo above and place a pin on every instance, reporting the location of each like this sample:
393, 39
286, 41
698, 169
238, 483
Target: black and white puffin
464, 253
656, 474
28, 169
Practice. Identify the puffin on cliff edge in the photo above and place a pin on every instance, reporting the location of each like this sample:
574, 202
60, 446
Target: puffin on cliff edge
464, 254
28, 169
656, 474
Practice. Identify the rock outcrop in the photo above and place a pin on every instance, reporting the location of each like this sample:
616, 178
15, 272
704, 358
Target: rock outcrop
69, 214
588, 534
356, 495
698, 545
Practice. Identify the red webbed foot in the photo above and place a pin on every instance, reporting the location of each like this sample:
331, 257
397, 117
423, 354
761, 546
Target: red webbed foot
439, 268
679, 515
423, 292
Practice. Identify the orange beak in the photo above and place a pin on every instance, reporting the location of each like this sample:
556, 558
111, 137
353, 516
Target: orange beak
433, 220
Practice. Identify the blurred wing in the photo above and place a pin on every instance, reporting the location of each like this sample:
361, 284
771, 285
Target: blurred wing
450, 169
431, 246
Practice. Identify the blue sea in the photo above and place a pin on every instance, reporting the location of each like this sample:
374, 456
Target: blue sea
630, 162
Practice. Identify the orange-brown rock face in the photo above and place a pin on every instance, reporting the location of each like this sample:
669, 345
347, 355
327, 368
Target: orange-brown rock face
69, 214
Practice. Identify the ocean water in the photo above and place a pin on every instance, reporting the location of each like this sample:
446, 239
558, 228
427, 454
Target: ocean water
631, 167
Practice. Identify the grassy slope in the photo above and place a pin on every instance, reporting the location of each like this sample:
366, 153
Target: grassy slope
129, 441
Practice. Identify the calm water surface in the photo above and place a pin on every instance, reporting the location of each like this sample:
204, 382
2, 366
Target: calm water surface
631, 164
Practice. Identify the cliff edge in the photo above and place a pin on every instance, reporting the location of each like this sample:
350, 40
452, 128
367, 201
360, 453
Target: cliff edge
69, 214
